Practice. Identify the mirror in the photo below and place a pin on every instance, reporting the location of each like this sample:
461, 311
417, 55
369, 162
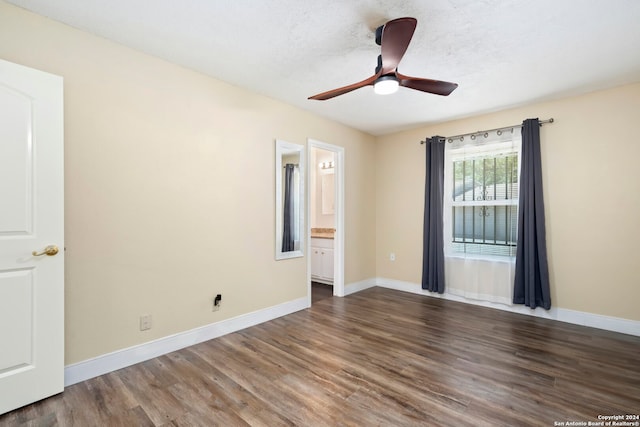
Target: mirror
289, 200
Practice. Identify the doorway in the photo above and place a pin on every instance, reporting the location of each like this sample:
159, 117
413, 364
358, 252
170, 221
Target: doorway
325, 245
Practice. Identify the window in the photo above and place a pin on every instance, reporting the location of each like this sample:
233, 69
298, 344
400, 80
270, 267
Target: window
481, 197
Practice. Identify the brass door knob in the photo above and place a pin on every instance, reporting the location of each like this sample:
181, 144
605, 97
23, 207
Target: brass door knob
50, 250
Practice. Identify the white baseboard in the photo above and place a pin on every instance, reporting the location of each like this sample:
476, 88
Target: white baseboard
615, 324
119, 359
352, 288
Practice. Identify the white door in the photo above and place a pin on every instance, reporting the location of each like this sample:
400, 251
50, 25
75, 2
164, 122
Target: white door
31, 219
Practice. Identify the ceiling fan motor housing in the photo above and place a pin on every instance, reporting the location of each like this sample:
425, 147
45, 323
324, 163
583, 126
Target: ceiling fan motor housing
379, 35
379, 66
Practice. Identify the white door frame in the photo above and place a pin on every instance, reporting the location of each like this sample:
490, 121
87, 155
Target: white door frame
338, 240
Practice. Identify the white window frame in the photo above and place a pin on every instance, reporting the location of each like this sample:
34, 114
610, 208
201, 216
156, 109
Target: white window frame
498, 145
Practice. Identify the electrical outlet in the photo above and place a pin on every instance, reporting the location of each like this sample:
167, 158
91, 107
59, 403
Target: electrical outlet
217, 301
392, 256
145, 322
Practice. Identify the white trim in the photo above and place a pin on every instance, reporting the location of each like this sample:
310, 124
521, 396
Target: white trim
338, 237
119, 359
609, 323
352, 288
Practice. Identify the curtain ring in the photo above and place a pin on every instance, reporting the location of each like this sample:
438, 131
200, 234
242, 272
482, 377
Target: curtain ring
499, 132
450, 141
473, 137
462, 138
486, 134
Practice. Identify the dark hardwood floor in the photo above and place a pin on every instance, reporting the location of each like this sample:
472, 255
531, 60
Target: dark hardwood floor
375, 358
320, 291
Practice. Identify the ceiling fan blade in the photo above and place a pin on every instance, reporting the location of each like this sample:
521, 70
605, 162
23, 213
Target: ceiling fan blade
437, 87
396, 35
394, 38
342, 90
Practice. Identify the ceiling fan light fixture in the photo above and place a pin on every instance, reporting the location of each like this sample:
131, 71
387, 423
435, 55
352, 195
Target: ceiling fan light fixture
386, 85
394, 38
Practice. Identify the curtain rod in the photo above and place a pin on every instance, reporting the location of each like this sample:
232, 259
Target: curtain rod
486, 132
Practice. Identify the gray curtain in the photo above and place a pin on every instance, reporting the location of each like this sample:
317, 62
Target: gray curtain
433, 239
288, 220
531, 285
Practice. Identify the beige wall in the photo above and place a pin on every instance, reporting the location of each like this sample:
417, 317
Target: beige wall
153, 225
591, 188
170, 189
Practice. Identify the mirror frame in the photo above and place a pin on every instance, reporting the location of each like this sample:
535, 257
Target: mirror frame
284, 148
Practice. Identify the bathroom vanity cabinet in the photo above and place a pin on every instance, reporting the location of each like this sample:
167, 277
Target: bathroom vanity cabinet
322, 260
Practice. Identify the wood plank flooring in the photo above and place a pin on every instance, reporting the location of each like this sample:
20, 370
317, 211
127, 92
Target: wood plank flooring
320, 291
376, 358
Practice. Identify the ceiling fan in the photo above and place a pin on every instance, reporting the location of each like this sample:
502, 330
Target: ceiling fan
393, 38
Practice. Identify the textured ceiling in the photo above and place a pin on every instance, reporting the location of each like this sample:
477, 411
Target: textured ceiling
501, 53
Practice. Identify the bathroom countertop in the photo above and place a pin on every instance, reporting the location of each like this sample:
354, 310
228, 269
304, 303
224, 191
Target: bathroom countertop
322, 233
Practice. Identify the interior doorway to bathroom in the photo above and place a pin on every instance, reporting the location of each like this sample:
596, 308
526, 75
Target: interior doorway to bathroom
326, 219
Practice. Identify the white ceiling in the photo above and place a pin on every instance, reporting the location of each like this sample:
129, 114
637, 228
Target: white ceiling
502, 53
